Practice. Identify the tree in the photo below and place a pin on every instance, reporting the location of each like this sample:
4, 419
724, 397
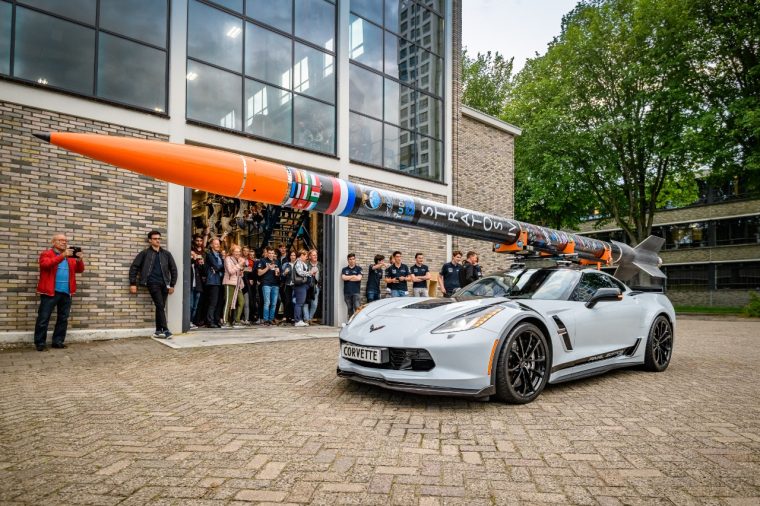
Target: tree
727, 69
608, 111
486, 82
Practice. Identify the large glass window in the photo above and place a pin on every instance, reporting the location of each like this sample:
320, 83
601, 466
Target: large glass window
739, 275
281, 54
111, 49
396, 75
694, 276
744, 230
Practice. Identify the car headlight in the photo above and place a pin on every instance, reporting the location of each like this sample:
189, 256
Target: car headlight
358, 310
468, 321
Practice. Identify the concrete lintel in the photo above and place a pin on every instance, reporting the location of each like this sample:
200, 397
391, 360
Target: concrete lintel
491, 121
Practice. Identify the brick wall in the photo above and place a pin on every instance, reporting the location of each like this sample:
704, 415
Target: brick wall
728, 298
367, 239
106, 211
484, 181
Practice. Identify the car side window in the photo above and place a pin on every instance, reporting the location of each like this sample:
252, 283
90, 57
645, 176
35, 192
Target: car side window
590, 282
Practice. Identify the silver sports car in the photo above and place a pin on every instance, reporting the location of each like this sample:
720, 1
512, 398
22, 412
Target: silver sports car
507, 335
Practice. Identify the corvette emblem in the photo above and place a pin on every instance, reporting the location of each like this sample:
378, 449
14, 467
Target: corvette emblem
372, 327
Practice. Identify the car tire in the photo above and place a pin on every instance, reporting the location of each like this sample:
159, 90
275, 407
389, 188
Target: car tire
659, 348
524, 365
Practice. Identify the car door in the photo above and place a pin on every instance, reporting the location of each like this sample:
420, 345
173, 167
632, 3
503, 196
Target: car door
608, 325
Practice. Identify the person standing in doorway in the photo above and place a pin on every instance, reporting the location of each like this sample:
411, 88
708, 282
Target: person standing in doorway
234, 266
269, 277
156, 270
286, 281
352, 281
312, 298
420, 274
301, 277
197, 276
57, 285
214, 273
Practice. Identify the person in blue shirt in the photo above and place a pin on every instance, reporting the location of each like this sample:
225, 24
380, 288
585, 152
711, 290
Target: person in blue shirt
396, 276
448, 277
420, 276
374, 276
269, 277
352, 281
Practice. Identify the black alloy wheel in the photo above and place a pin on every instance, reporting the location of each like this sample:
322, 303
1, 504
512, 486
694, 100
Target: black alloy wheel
659, 345
522, 370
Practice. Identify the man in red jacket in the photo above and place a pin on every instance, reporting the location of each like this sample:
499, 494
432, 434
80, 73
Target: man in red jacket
58, 266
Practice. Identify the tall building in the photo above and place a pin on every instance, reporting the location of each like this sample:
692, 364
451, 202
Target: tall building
367, 90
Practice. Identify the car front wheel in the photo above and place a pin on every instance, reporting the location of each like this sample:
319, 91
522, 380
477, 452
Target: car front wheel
659, 345
523, 366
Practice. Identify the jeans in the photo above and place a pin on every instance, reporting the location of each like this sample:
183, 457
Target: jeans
195, 297
62, 302
398, 293
419, 292
299, 296
310, 308
270, 294
352, 303
372, 296
159, 293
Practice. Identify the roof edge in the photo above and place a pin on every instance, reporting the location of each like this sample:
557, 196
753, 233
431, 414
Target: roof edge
490, 120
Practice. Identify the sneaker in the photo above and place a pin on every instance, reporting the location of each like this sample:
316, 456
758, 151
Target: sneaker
167, 334
159, 335
237, 325
226, 326
193, 326
300, 324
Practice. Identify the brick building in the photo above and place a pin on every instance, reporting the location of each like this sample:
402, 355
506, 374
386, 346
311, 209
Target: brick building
367, 91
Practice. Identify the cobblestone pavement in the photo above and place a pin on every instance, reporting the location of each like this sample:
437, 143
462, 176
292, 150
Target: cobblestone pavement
134, 422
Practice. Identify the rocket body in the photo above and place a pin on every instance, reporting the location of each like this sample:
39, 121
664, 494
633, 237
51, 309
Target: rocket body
239, 176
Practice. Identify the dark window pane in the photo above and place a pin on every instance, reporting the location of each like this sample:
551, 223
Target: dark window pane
398, 99
429, 158
745, 230
739, 275
268, 111
436, 5
214, 36
80, 10
233, 5
5, 38
428, 33
370, 9
391, 54
54, 52
140, 19
206, 102
407, 62
314, 124
399, 149
430, 73
315, 22
365, 43
429, 117
314, 73
267, 55
131, 73
687, 276
365, 92
365, 139
278, 14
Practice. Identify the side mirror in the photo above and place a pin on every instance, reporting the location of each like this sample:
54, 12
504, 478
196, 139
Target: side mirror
604, 294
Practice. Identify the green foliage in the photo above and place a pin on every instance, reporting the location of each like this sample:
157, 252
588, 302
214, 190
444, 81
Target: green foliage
753, 306
486, 82
606, 115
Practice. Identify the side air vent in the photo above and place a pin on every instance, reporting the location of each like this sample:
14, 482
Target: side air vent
562, 331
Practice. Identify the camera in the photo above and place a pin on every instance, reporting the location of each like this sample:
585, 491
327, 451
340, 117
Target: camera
75, 250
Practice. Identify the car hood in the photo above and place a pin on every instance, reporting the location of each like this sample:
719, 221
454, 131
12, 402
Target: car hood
424, 309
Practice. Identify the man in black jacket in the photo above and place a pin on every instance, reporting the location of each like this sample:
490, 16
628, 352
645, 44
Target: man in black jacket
470, 270
156, 269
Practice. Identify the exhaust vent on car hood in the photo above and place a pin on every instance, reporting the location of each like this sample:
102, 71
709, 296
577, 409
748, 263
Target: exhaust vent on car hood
430, 303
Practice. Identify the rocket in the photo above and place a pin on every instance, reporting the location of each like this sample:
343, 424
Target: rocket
249, 178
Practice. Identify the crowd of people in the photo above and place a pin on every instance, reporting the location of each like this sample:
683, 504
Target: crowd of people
233, 288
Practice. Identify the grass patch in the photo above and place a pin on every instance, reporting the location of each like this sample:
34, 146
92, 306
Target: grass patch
708, 309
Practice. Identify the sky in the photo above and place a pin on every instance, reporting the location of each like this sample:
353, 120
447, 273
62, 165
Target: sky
518, 28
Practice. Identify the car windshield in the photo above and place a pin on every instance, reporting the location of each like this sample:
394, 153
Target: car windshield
548, 284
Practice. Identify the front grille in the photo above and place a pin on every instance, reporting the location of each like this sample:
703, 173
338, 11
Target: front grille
402, 359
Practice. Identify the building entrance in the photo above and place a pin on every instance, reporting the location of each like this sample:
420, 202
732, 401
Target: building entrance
255, 225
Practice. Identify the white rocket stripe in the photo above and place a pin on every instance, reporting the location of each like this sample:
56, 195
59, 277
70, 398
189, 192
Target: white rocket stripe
245, 176
343, 196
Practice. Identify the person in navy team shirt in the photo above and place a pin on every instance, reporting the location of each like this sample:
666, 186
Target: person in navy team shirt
470, 270
374, 276
396, 276
420, 276
448, 277
352, 281
269, 277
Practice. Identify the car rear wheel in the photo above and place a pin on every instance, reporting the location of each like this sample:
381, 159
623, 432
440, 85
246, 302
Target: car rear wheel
659, 345
523, 366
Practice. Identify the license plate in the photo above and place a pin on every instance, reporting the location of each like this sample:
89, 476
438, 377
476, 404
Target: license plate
374, 355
